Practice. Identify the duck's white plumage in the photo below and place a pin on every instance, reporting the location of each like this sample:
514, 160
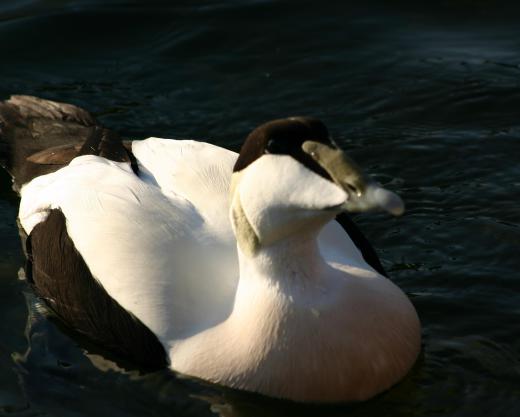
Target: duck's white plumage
152, 249
174, 217
306, 318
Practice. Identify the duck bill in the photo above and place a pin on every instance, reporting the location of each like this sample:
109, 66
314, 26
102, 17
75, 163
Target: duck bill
363, 193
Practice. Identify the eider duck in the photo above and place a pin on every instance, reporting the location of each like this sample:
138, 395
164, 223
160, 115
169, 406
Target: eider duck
239, 269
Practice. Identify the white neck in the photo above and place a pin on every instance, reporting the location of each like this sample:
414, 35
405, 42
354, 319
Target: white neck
289, 264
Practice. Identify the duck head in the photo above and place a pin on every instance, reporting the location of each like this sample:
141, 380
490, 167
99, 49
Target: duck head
291, 177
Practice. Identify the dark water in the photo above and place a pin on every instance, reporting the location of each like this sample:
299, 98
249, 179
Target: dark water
425, 97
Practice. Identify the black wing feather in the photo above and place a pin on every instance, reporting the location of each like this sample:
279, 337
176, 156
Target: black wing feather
362, 243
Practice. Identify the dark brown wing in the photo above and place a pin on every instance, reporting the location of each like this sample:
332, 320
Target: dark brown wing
40, 136
60, 277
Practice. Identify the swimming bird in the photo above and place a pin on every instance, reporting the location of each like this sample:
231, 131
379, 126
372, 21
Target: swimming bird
240, 269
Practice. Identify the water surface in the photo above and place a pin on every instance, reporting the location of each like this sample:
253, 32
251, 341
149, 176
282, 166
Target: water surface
425, 97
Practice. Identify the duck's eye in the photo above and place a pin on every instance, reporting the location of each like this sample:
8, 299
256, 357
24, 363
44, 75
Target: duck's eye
276, 146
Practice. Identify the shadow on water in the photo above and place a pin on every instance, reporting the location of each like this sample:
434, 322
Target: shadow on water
425, 96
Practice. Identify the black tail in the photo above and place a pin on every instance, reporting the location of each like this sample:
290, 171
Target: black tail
39, 136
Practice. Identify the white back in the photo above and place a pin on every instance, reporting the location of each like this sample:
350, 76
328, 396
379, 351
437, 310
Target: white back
198, 171
151, 252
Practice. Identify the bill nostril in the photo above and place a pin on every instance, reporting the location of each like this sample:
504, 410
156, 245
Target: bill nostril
353, 189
